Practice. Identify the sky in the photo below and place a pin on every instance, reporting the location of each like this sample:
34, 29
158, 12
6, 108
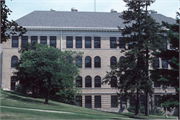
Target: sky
21, 8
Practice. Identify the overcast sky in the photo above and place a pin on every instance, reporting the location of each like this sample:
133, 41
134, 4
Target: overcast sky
23, 7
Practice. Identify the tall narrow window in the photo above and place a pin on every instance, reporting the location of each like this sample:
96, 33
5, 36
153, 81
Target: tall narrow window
88, 103
132, 101
114, 102
142, 100
88, 81
97, 101
14, 61
155, 63
13, 82
121, 59
43, 39
97, 42
121, 42
97, 82
79, 101
113, 43
24, 39
79, 81
113, 61
14, 41
113, 81
53, 41
88, 62
164, 63
69, 42
33, 39
78, 42
97, 62
87, 42
164, 43
79, 62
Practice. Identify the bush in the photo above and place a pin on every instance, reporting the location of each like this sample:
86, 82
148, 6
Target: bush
133, 109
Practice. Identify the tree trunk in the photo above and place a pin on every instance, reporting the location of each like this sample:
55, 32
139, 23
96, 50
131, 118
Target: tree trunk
48, 89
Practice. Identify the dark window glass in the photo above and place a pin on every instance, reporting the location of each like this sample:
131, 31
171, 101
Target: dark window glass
14, 41
121, 42
130, 45
114, 102
164, 43
87, 42
113, 60
24, 39
43, 39
142, 100
79, 81
113, 81
53, 41
88, 81
13, 82
157, 99
69, 42
155, 63
171, 46
97, 101
33, 39
121, 59
164, 63
97, 81
97, 42
14, 61
79, 101
88, 103
97, 62
79, 62
88, 62
132, 102
156, 84
113, 43
78, 42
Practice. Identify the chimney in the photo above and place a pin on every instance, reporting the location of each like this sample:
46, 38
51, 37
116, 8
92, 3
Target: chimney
113, 11
74, 9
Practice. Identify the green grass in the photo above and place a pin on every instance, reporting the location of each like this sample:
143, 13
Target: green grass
14, 99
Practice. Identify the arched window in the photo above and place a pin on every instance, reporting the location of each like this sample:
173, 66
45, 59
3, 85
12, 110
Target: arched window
14, 61
113, 81
88, 62
155, 63
97, 81
79, 62
164, 63
79, 81
97, 62
88, 81
113, 60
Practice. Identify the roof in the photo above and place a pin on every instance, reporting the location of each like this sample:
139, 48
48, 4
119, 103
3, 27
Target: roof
78, 19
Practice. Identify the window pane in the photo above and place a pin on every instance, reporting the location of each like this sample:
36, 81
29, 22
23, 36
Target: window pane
53, 41
132, 102
97, 42
79, 62
155, 63
113, 61
113, 42
33, 39
97, 102
88, 81
69, 42
14, 61
113, 81
156, 84
78, 42
79, 81
88, 62
88, 102
97, 81
24, 39
14, 41
114, 103
13, 82
87, 42
121, 42
43, 39
142, 100
79, 101
97, 62
164, 63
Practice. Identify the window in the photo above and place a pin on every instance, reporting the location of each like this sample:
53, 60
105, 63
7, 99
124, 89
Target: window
88, 81
97, 42
97, 82
164, 43
132, 102
88, 102
78, 42
114, 102
157, 99
164, 63
24, 39
43, 40
13, 82
142, 100
79, 62
88, 62
69, 42
33, 39
113, 61
14, 61
113, 81
14, 41
79, 81
79, 101
121, 42
121, 59
156, 84
113, 42
155, 63
87, 42
97, 62
97, 101
123, 102
53, 41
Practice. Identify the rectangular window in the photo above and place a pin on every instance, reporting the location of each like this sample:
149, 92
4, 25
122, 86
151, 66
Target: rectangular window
79, 101
132, 102
43, 40
78, 42
114, 102
142, 100
14, 41
69, 42
97, 42
113, 42
97, 101
24, 39
33, 39
88, 103
87, 42
164, 43
121, 42
53, 41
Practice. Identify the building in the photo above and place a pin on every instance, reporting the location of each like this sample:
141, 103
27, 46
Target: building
93, 33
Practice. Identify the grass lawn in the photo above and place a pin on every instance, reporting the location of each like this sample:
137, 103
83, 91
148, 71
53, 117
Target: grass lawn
14, 99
